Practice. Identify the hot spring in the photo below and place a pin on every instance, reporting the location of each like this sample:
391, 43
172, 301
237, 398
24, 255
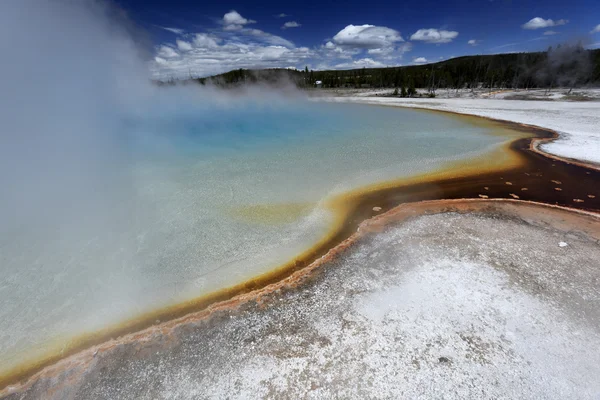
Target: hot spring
178, 202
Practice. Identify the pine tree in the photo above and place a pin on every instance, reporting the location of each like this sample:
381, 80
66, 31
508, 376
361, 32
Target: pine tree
411, 88
306, 82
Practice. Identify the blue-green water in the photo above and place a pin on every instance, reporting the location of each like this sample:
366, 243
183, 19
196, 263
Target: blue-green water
181, 200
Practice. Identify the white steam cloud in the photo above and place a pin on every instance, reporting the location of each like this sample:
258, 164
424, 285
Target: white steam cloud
72, 73
83, 229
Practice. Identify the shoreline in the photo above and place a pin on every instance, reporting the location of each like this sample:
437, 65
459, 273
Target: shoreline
488, 109
356, 208
165, 335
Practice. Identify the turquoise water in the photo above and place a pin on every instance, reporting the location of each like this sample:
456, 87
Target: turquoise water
179, 201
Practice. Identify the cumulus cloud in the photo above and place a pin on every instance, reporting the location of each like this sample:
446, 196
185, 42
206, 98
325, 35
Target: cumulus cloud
209, 54
235, 45
538, 23
291, 24
182, 45
434, 35
363, 46
233, 21
420, 60
596, 29
389, 53
167, 52
473, 42
367, 37
331, 49
207, 41
383, 51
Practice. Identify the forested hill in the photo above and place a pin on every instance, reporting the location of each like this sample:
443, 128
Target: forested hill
566, 66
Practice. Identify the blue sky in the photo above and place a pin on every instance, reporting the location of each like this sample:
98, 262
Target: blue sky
209, 37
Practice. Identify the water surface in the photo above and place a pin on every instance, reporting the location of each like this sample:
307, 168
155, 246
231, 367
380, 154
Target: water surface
200, 198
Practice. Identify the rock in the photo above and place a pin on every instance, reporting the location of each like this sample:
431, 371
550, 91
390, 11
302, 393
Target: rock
376, 209
563, 244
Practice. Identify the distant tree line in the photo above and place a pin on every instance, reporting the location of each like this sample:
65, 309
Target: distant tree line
564, 66
241, 77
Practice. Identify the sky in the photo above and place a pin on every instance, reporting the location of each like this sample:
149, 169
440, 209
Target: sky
202, 38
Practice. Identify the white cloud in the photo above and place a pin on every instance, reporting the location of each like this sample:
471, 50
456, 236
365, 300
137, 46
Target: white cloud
405, 47
206, 41
367, 37
176, 31
596, 29
231, 47
473, 42
331, 53
383, 51
226, 50
167, 52
282, 15
389, 53
182, 45
420, 60
434, 35
236, 45
362, 63
233, 21
549, 33
537, 23
291, 24
330, 50
340, 51
267, 38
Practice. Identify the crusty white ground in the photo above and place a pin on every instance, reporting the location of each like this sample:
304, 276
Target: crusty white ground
444, 306
578, 123
563, 94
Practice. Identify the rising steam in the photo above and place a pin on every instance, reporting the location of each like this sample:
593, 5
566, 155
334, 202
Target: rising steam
83, 243
69, 74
